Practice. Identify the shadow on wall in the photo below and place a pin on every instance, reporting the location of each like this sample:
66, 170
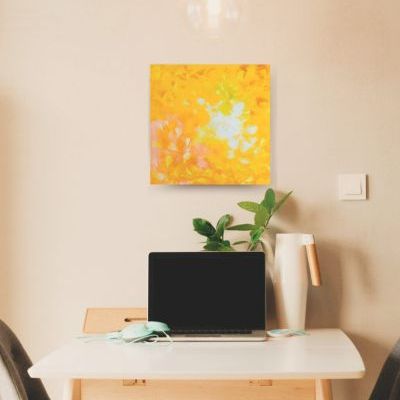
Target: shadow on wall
326, 306
374, 356
6, 204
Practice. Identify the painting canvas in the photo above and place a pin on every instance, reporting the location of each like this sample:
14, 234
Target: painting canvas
210, 124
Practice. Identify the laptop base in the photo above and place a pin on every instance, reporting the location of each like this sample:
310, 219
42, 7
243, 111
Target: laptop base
256, 336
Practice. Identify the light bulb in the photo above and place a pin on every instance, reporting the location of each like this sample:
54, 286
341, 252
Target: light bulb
213, 7
212, 15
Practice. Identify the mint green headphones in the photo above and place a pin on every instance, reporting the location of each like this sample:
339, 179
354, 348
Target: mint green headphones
135, 333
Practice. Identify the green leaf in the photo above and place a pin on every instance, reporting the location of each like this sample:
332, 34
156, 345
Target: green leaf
253, 246
240, 242
256, 234
212, 246
242, 227
255, 237
218, 246
203, 227
261, 216
249, 206
226, 248
223, 222
269, 200
280, 203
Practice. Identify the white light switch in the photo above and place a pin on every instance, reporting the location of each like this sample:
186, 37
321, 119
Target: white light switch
352, 186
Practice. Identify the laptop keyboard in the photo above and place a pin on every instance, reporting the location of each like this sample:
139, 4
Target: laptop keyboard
211, 332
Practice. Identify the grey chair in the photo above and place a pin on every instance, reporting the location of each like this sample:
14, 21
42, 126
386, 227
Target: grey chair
387, 386
14, 363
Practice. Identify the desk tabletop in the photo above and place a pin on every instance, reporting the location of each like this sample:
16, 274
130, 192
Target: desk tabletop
322, 354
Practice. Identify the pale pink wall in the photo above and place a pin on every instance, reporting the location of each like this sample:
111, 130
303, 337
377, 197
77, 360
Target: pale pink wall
78, 216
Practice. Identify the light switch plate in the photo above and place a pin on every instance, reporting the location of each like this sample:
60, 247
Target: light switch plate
352, 186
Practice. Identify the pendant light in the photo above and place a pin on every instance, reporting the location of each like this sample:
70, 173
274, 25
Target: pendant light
212, 15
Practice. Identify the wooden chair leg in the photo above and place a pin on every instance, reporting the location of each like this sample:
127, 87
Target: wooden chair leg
323, 389
72, 389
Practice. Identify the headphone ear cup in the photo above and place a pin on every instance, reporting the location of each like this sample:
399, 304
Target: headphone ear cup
135, 331
156, 326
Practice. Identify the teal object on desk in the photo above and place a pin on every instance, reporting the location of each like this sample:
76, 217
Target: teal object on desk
277, 333
136, 333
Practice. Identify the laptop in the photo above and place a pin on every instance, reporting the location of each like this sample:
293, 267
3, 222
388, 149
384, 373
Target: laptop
209, 296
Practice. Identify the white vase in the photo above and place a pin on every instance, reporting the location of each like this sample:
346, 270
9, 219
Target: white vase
290, 278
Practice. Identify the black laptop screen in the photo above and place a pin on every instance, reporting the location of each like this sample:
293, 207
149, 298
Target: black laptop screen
207, 290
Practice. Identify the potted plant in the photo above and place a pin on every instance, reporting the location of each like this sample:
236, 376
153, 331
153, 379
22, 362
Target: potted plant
263, 213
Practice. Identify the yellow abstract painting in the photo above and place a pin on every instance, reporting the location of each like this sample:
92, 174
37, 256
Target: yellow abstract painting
210, 124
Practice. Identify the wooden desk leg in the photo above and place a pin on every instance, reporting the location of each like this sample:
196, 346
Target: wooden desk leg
72, 389
323, 389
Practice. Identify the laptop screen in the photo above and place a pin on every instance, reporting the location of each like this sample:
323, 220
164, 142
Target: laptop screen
208, 290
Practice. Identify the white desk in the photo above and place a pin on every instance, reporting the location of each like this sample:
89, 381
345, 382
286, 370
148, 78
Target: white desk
324, 354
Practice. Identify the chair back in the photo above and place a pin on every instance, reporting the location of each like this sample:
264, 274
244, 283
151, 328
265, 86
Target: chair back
387, 386
14, 369
102, 320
